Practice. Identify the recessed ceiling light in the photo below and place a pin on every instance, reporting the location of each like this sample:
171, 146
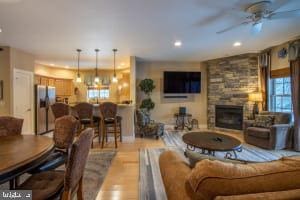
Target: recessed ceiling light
0, 30
178, 43
237, 44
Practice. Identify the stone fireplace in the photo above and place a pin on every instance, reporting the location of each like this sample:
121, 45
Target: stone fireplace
230, 117
230, 80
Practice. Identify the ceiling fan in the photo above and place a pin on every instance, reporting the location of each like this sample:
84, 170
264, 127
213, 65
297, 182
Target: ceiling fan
260, 12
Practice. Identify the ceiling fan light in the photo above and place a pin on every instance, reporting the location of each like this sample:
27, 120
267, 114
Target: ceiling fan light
256, 28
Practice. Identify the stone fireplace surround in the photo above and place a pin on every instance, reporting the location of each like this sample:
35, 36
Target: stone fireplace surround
230, 80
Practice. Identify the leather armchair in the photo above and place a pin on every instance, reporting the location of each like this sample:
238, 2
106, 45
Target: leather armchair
276, 137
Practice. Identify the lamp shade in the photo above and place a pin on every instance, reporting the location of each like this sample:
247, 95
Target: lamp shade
256, 97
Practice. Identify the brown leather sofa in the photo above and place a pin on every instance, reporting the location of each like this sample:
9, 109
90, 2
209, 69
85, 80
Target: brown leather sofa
276, 137
228, 181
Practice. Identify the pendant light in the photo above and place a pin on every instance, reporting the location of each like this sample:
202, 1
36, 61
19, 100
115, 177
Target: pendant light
97, 79
114, 79
78, 79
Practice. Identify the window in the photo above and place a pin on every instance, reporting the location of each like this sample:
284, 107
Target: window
98, 93
281, 100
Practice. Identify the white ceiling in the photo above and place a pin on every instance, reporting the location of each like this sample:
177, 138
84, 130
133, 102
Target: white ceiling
54, 29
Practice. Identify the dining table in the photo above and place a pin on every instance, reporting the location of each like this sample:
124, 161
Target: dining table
22, 153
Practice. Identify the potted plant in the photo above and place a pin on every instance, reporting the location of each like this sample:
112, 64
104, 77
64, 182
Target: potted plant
147, 86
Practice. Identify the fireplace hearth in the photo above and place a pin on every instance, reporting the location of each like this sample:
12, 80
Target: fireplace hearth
230, 117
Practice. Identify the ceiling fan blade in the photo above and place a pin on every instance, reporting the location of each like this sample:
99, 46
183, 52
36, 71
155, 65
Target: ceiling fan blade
285, 14
256, 28
275, 5
233, 27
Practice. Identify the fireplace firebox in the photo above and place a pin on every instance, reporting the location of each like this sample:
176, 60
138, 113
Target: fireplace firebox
230, 117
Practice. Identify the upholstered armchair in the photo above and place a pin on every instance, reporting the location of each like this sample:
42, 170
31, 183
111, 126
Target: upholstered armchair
145, 126
276, 137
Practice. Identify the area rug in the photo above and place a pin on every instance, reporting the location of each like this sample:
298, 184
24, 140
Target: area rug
249, 152
151, 184
95, 171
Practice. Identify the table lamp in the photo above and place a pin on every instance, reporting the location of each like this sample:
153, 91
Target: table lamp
256, 97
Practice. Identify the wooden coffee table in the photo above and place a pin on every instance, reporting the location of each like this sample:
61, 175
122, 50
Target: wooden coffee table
209, 142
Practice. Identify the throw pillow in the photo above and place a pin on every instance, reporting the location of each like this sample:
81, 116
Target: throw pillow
264, 121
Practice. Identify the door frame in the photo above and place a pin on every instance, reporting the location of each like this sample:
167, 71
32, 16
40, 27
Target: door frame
31, 94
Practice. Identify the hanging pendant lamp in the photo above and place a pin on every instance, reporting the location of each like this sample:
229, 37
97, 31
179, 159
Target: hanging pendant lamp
78, 79
114, 79
97, 79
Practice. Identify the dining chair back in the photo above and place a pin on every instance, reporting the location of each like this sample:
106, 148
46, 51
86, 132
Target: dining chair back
10, 126
64, 131
60, 109
63, 137
60, 184
76, 165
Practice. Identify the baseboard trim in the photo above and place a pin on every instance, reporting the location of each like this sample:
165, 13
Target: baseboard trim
124, 138
171, 126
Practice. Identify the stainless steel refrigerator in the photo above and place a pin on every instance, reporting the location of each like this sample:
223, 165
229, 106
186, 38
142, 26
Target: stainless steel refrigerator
44, 119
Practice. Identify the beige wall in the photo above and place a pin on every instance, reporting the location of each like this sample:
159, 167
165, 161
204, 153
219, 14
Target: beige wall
5, 75
21, 60
164, 110
10, 59
279, 63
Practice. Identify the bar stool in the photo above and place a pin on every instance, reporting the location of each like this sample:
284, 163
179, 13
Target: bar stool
85, 116
111, 123
60, 110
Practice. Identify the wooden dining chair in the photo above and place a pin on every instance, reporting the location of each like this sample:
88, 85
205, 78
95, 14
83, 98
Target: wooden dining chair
85, 116
111, 123
51, 184
10, 126
60, 110
63, 137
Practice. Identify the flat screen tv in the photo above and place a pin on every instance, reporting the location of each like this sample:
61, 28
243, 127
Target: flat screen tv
182, 82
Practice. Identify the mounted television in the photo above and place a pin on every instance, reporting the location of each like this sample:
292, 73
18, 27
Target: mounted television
182, 82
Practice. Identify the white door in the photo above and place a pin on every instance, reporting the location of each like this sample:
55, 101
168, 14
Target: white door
23, 99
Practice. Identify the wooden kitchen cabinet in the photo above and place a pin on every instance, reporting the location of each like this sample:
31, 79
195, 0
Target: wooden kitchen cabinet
44, 81
63, 87
68, 86
59, 85
51, 82
37, 80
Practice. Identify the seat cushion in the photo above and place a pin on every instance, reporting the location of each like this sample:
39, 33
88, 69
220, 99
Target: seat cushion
85, 121
258, 132
215, 178
44, 184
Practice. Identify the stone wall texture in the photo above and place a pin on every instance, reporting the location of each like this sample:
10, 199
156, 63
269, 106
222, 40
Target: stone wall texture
230, 80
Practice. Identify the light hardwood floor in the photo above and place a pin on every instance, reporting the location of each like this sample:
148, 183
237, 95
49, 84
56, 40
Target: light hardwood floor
122, 180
